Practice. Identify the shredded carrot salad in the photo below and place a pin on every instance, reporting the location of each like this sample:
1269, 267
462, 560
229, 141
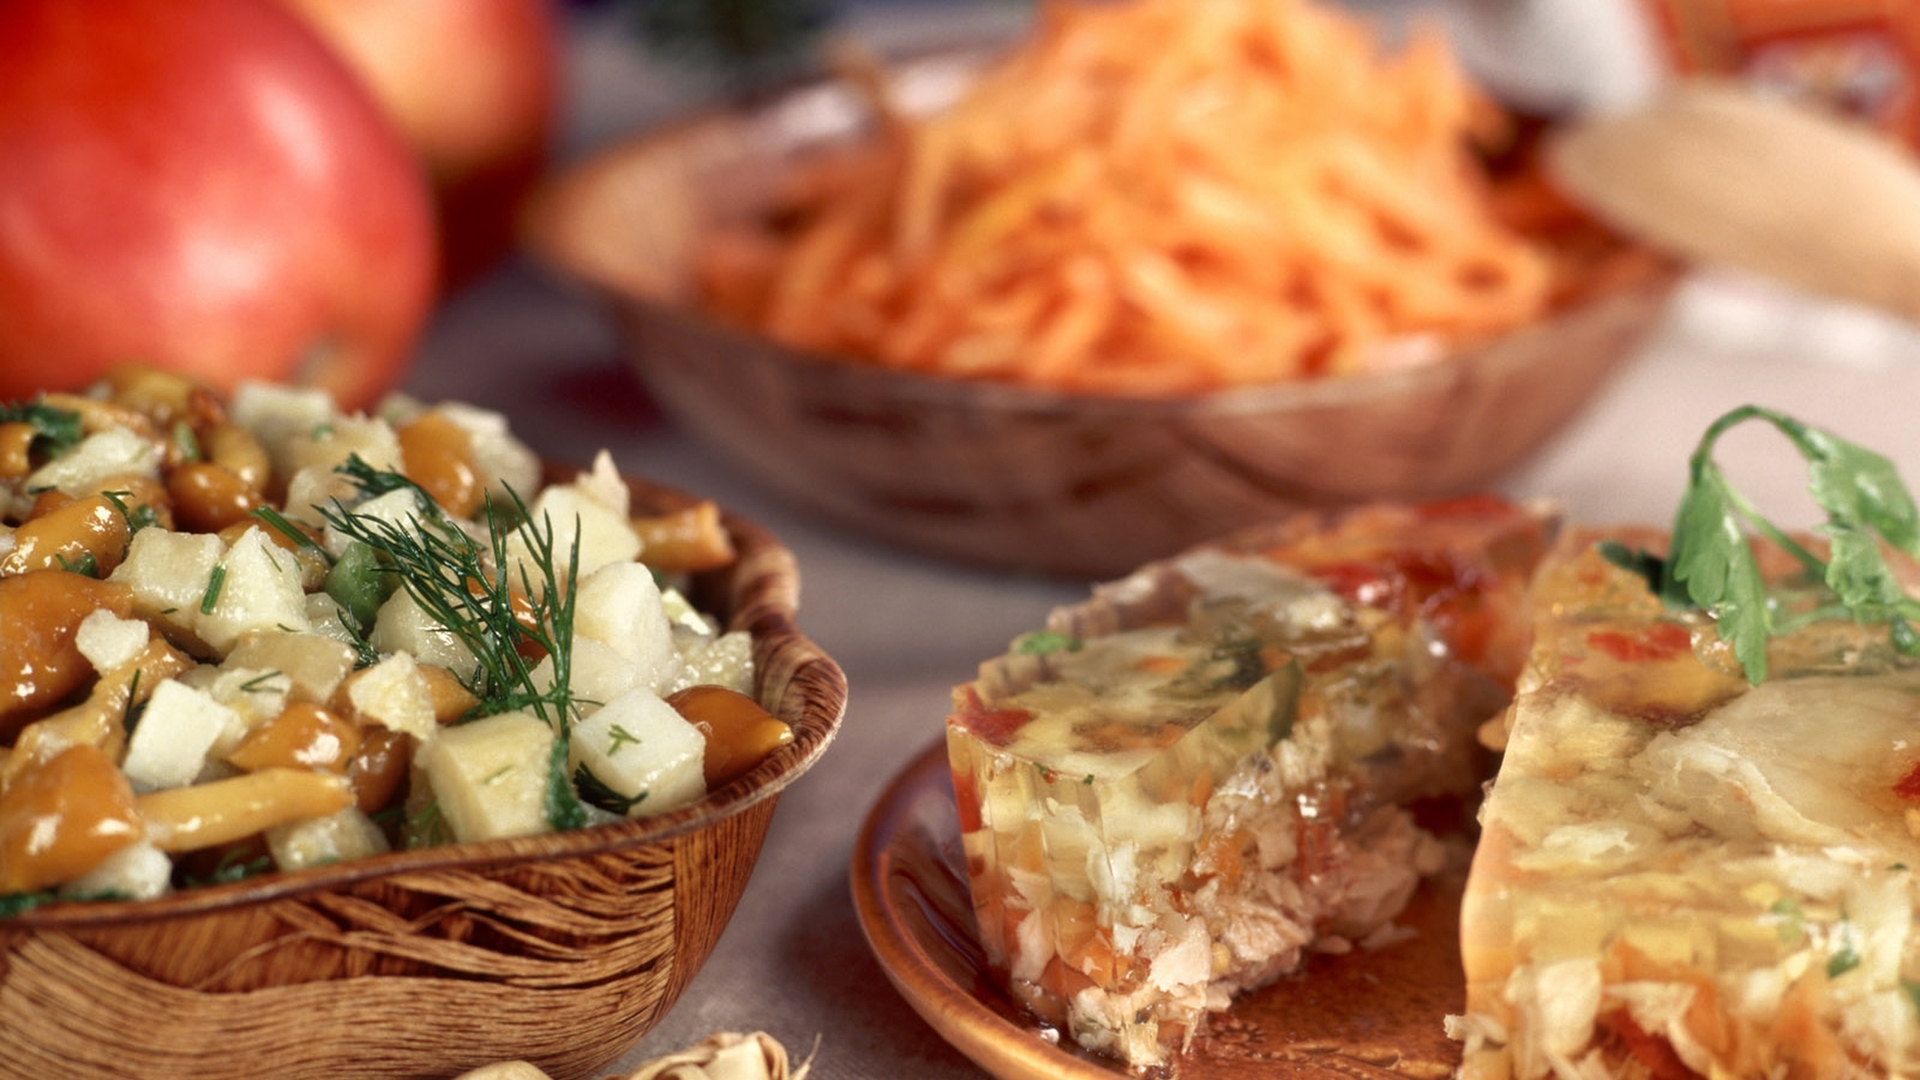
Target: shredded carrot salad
1152, 197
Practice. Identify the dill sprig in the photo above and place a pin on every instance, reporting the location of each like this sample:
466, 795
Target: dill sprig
447, 574
55, 431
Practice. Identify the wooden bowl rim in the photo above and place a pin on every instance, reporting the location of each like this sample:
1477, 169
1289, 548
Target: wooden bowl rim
559, 229
766, 603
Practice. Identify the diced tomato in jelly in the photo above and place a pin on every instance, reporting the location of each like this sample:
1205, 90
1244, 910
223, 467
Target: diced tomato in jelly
1661, 641
993, 726
1445, 589
1908, 786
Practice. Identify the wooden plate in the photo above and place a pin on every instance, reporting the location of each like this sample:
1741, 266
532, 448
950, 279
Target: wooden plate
1367, 1014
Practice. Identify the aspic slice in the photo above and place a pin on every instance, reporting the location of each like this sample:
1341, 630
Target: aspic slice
1180, 787
1682, 874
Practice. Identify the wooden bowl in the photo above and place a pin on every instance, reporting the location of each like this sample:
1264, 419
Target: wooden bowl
561, 950
1022, 478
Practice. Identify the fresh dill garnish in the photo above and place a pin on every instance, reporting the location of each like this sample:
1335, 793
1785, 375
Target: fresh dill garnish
1845, 957
12, 904
136, 517
54, 430
372, 482
260, 683
185, 443
233, 866
1711, 565
364, 654
135, 707
287, 528
447, 574
596, 792
428, 827
215, 581
618, 736
86, 565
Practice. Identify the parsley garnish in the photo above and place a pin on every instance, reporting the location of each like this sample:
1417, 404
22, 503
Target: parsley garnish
1042, 642
1711, 565
1842, 962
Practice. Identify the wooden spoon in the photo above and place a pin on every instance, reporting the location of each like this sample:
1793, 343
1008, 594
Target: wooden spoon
1719, 174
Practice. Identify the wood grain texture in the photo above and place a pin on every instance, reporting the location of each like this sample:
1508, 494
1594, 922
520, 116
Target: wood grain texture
1725, 175
1029, 479
562, 950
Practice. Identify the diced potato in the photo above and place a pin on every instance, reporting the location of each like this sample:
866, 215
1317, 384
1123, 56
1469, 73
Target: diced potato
489, 776
109, 641
88, 468
403, 626
349, 834
604, 534
259, 589
502, 460
329, 620
640, 748
330, 444
313, 663
684, 616
311, 489
599, 674
602, 484
281, 416
724, 661
177, 729
394, 694
618, 605
255, 695
138, 871
168, 573
399, 508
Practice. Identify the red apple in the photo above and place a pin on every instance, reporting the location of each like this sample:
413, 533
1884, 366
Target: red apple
203, 185
473, 84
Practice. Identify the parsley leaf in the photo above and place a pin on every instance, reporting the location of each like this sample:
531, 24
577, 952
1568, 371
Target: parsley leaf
1042, 642
1711, 563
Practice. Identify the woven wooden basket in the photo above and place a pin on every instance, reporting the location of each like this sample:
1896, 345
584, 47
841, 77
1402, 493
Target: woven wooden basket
561, 950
